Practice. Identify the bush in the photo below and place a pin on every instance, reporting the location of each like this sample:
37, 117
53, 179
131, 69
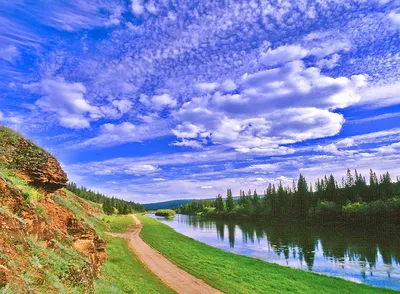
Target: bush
165, 212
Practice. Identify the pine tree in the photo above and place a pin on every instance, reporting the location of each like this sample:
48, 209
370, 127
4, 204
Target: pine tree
230, 203
302, 196
219, 203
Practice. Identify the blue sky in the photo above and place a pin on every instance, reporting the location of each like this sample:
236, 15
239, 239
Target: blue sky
158, 100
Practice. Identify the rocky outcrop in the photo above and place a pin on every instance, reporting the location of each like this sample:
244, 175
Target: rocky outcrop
46, 222
32, 163
88, 242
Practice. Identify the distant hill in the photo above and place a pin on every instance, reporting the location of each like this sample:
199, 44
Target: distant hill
174, 203
167, 204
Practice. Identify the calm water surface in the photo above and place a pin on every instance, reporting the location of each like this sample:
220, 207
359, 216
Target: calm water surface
371, 257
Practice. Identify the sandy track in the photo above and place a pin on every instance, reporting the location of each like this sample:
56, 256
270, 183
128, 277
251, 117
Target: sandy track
169, 273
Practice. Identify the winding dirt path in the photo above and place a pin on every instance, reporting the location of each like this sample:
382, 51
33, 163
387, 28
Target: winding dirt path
169, 273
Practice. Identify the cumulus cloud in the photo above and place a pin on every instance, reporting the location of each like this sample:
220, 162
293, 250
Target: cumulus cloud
228, 85
394, 17
74, 122
203, 88
272, 107
66, 100
69, 104
162, 101
137, 7
151, 8
283, 55
381, 95
186, 130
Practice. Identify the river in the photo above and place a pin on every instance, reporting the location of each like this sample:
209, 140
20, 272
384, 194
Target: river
370, 256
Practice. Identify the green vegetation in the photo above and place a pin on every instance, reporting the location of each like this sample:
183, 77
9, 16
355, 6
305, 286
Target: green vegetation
51, 266
79, 208
110, 204
123, 272
165, 212
118, 223
30, 193
19, 153
233, 273
351, 202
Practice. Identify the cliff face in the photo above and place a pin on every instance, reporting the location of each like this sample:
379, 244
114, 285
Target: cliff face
46, 246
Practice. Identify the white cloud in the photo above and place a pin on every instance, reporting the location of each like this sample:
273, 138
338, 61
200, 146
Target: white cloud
132, 169
228, 85
272, 107
66, 100
125, 132
186, 130
9, 53
1, 116
390, 149
381, 96
283, 55
345, 143
123, 105
331, 148
204, 88
137, 7
374, 118
329, 48
394, 18
329, 62
74, 122
151, 8
162, 101
188, 143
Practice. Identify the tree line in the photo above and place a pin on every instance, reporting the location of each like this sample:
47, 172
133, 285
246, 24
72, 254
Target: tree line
110, 204
352, 199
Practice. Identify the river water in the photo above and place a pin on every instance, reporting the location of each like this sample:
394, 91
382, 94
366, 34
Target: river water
370, 256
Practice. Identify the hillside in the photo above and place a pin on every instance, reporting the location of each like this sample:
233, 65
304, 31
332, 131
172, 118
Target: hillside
48, 243
167, 204
174, 203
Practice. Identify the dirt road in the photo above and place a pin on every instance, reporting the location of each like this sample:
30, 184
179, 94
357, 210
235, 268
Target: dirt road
169, 273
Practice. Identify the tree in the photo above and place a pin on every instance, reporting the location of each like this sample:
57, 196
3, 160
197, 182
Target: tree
219, 203
230, 203
302, 196
349, 179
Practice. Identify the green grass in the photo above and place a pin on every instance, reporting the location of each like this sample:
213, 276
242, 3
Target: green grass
118, 223
231, 273
123, 272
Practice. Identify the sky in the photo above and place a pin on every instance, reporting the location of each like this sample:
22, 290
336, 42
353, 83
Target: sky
177, 99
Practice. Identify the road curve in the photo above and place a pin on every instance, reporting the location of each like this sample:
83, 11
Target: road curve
169, 273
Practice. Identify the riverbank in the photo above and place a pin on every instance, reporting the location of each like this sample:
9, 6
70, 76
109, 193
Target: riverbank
232, 273
123, 272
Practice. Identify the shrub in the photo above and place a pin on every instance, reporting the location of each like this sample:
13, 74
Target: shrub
165, 212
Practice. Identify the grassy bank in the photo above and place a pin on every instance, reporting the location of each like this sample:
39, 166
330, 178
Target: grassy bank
233, 273
123, 272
